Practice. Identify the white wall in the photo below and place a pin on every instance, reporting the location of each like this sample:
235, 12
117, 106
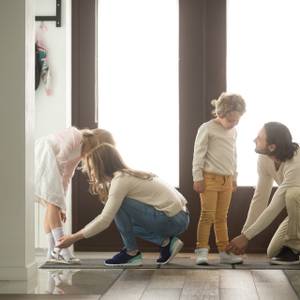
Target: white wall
17, 261
53, 112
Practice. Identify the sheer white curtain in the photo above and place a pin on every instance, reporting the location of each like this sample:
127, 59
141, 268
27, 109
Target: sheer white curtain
138, 82
263, 65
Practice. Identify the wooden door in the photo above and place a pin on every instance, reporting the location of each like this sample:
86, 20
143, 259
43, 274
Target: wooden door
202, 78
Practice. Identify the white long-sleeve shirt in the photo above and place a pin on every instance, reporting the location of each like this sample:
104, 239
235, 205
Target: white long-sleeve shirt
214, 150
261, 214
153, 192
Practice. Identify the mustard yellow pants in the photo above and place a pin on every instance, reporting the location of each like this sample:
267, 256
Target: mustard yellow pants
215, 202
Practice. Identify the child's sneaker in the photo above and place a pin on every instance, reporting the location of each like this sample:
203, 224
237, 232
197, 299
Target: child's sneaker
124, 259
230, 258
201, 256
73, 261
168, 252
57, 258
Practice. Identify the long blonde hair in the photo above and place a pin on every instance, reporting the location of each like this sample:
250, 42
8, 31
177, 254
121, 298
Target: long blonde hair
101, 164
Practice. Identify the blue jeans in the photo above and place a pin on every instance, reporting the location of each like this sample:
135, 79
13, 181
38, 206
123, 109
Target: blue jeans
136, 219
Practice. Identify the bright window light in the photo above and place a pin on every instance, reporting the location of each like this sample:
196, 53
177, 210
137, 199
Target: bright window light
138, 82
263, 65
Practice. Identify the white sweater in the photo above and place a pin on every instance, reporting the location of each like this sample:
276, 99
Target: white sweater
261, 214
153, 192
214, 150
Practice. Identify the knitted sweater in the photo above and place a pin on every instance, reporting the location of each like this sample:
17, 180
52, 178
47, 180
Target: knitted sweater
153, 192
261, 214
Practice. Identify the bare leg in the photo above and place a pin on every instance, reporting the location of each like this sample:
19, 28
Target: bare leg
53, 217
47, 228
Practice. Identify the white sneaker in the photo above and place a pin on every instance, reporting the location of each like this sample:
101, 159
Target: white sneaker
57, 258
201, 256
230, 258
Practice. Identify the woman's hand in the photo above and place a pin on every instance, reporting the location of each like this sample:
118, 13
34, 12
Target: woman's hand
238, 245
65, 241
68, 240
199, 186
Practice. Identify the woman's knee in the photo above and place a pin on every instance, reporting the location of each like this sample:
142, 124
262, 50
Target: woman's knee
184, 223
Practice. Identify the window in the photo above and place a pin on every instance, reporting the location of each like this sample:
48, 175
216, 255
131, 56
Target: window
263, 64
138, 82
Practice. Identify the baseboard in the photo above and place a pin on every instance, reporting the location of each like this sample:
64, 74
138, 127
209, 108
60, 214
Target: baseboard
40, 251
18, 273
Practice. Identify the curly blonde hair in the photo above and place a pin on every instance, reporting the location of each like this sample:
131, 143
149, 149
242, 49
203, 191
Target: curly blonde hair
228, 102
91, 138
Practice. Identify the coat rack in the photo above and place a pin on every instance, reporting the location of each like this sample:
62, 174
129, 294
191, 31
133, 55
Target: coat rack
56, 18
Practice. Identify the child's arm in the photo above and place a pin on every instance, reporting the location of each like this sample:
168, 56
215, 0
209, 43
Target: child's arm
200, 149
234, 181
199, 186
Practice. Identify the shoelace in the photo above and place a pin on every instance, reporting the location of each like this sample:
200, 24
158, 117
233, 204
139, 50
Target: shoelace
56, 254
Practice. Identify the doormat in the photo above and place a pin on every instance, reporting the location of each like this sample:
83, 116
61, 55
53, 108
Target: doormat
177, 263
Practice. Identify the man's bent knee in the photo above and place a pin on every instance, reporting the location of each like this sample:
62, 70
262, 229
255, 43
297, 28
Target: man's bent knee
273, 251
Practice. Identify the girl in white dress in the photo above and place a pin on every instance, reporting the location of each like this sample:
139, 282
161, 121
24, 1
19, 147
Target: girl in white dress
56, 158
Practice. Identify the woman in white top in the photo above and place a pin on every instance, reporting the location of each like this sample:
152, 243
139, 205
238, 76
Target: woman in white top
214, 174
140, 203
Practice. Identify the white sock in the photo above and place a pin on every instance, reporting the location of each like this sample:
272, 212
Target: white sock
51, 283
51, 243
57, 233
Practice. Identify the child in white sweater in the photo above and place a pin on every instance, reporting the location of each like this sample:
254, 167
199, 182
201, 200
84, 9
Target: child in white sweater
214, 174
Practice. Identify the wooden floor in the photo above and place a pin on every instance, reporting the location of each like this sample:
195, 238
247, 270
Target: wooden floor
176, 284
156, 284
203, 284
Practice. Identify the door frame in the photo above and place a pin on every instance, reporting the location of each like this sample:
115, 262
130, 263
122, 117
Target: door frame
202, 77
